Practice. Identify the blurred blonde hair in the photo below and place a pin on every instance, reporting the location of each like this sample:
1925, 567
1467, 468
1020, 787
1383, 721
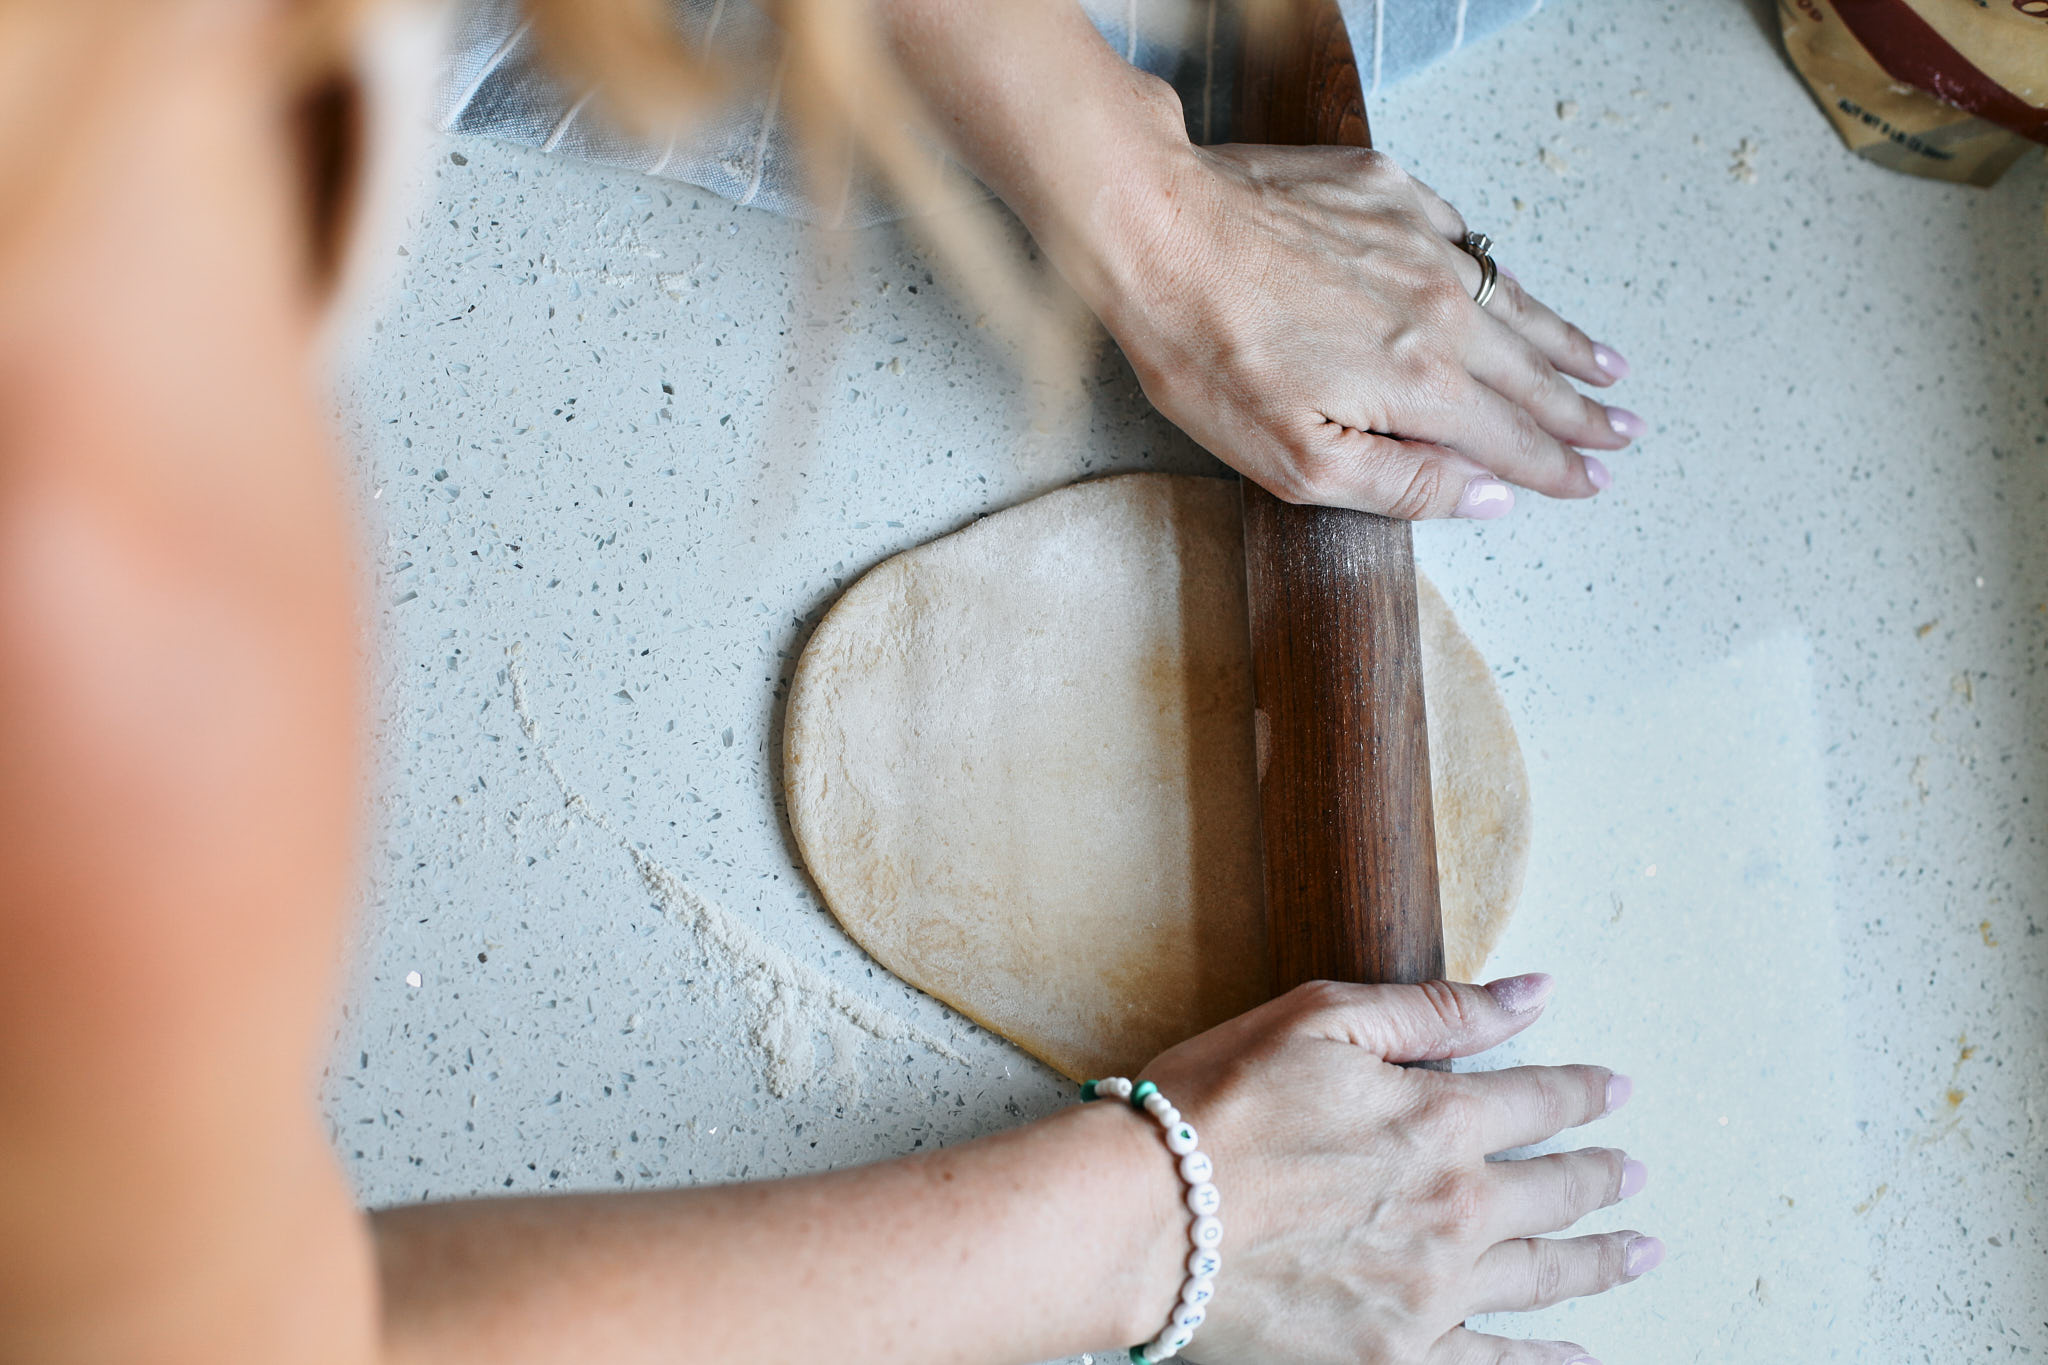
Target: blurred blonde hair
846, 98
852, 108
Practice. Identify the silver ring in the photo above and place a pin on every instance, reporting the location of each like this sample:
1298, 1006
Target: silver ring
1479, 247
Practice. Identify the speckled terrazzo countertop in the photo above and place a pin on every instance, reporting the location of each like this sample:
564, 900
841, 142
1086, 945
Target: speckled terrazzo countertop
1780, 689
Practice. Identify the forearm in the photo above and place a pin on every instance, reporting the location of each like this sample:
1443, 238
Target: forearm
1036, 104
1060, 1237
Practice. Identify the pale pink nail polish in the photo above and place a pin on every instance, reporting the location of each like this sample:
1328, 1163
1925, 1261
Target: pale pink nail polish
1484, 499
1643, 1255
1634, 1176
1626, 423
1611, 360
1597, 472
1521, 994
1619, 1089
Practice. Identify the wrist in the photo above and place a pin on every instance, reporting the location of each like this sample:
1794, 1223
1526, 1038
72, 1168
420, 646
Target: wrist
1102, 196
1150, 1220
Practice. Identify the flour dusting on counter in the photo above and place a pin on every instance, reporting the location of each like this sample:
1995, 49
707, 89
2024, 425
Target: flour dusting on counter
788, 1003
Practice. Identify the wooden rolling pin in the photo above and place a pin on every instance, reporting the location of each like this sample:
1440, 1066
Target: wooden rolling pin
1348, 824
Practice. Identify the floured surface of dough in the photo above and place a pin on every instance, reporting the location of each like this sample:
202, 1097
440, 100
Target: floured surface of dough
1019, 765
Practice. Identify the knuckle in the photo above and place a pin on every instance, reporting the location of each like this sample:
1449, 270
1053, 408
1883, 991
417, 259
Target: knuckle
1571, 1177
1451, 1111
1546, 1275
1526, 442
1448, 1003
1554, 1101
1314, 1000
1543, 385
1438, 380
1611, 1259
1510, 302
1288, 488
1378, 166
1582, 1094
1317, 475
1458, 1206
1581, 346
1592, 413
1609, 1164
1421, 491
1314, 997
1442, 302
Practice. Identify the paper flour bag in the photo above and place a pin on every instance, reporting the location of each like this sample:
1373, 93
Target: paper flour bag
1951, 89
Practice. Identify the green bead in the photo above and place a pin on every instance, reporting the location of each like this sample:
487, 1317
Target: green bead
1138, 1095
1087, 1091
1138, 1356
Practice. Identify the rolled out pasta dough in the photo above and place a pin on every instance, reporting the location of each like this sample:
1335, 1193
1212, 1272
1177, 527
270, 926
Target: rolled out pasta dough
1019, 764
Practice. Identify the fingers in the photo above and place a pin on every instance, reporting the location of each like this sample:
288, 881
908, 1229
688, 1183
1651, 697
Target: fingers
1506, 362
1531, 1273
1461, 1347
1505, 437
1429, 1022
1409, 480
1530, 1104
1550, 1193
1566, 347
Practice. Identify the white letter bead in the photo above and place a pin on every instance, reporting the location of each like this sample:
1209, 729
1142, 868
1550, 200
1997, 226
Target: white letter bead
1173, 1341
1157, 1349
1205, 1263
1203, 1198
1180, 1139
1188, 1317
1196, 1167
1157, 1104
1201, 1288
1207, 1231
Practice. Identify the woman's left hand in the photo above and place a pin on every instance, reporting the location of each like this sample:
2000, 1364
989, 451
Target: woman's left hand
1365, 1220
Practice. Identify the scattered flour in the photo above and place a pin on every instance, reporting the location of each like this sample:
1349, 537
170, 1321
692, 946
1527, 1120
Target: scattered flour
1743, 167
788, 1003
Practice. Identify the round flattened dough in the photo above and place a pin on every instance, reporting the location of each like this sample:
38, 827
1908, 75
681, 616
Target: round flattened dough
1019, 765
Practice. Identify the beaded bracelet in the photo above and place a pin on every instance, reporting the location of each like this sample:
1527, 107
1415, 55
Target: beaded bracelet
1204, 1233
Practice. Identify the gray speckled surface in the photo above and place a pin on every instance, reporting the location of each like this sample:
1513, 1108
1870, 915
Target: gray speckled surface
1781, 688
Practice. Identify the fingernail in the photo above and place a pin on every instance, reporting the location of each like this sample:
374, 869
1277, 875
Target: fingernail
1521, 994
1582, 1360
1634, 1176
1485, 498
1597, 472
1611, 360
1626, 423
1619, 1089
1643, 1255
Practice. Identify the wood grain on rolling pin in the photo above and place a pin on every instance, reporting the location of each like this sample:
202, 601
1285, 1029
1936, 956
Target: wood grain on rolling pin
1348, 832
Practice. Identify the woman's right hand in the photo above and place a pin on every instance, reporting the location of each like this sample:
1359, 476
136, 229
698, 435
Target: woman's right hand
1307, 315
1363, 1220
